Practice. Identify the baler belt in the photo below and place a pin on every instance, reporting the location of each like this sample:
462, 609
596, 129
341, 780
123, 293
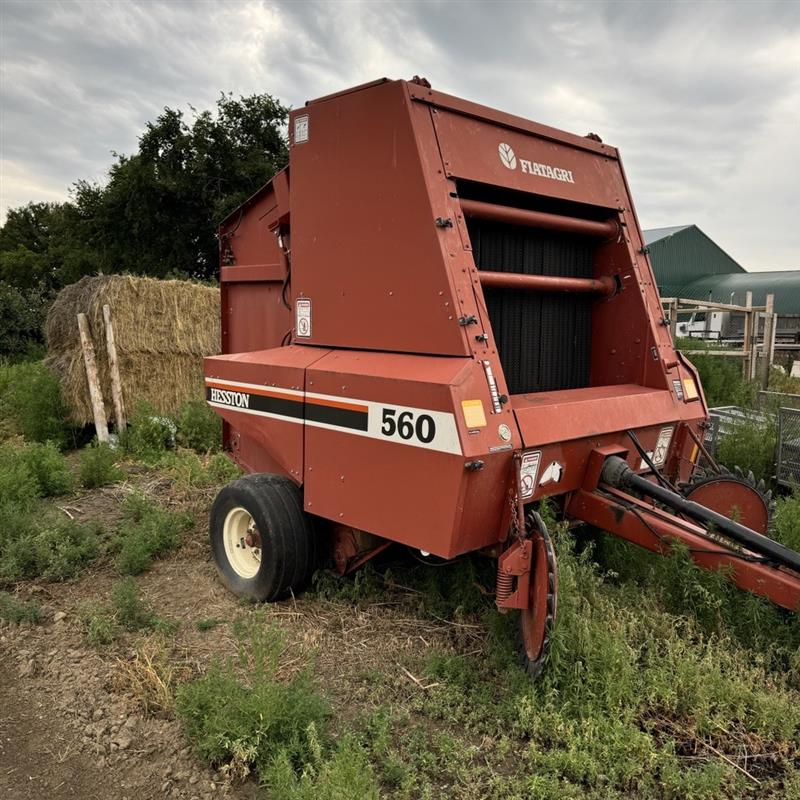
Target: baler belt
543, 338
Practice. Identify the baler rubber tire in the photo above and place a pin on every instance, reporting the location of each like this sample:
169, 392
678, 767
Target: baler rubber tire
288, 541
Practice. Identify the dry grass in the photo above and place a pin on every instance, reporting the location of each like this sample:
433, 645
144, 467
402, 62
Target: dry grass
150, 677
162, 330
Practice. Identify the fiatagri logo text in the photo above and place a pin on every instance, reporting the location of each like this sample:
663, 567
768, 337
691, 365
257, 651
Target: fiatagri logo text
509, 159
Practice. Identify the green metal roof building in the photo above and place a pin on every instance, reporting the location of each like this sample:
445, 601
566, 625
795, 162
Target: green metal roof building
689, 264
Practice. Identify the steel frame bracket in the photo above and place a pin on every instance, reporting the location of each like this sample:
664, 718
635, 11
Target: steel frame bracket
514, 576
594, 467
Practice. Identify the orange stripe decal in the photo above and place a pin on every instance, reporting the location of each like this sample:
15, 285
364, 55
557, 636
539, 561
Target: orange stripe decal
337, 404
265, 392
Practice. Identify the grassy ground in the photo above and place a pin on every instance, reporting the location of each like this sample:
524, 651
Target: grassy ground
663, 682
400, 682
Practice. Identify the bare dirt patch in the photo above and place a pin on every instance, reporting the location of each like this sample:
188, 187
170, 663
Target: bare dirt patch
72, 724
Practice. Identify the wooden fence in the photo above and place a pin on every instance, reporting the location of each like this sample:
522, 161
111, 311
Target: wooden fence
757, 349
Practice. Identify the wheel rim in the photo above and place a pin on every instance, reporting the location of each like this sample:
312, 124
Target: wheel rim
537, 621
242, 542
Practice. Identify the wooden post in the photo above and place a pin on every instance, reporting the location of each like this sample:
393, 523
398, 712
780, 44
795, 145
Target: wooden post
95, 395
113, 368
770, 329
747, 345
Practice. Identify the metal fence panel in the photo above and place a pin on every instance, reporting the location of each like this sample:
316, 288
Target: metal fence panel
788, 472
724, 419
711, 435
771, 399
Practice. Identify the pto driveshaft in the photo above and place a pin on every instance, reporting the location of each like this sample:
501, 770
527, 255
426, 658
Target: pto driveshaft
618, 474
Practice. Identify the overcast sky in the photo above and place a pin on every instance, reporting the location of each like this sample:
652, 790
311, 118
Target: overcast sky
703, 99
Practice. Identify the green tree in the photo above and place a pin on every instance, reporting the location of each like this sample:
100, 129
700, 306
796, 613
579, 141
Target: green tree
21, 321
41, 250
42, 247
155, 215
158, 213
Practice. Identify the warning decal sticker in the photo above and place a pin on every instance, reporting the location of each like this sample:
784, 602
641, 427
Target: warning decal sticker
303, 317
301, 129
552, 474
474, 416
659, 456
529, 472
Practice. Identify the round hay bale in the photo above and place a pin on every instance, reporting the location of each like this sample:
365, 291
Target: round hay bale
162, 329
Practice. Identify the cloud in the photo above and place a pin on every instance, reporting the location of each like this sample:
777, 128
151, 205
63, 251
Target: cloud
703, 100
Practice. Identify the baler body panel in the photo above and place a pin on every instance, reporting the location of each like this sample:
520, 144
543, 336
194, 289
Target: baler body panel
462, 137
379, 440
366, 253
385, 479
255, 314
260, 397
549, 417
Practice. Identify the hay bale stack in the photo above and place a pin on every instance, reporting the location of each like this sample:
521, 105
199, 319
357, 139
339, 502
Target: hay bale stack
162, 331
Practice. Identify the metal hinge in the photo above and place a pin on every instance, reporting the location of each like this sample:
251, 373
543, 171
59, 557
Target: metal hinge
482, 337
444, 222
468, 320
473, 466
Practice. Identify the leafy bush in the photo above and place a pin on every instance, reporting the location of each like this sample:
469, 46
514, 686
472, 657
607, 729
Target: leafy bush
221, 469
29, 471
186, 468
12, 610
127, 611
750, 444
720, 376
31, 404
98, 466
130, 610
780, 381
62, 547
787, 520
147, 532
630, 688
37, 541
149, 434
48, 468
46, 545
199, 428
244, 724
190, 470
100, 626
716, 607
19, 488
347, 773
